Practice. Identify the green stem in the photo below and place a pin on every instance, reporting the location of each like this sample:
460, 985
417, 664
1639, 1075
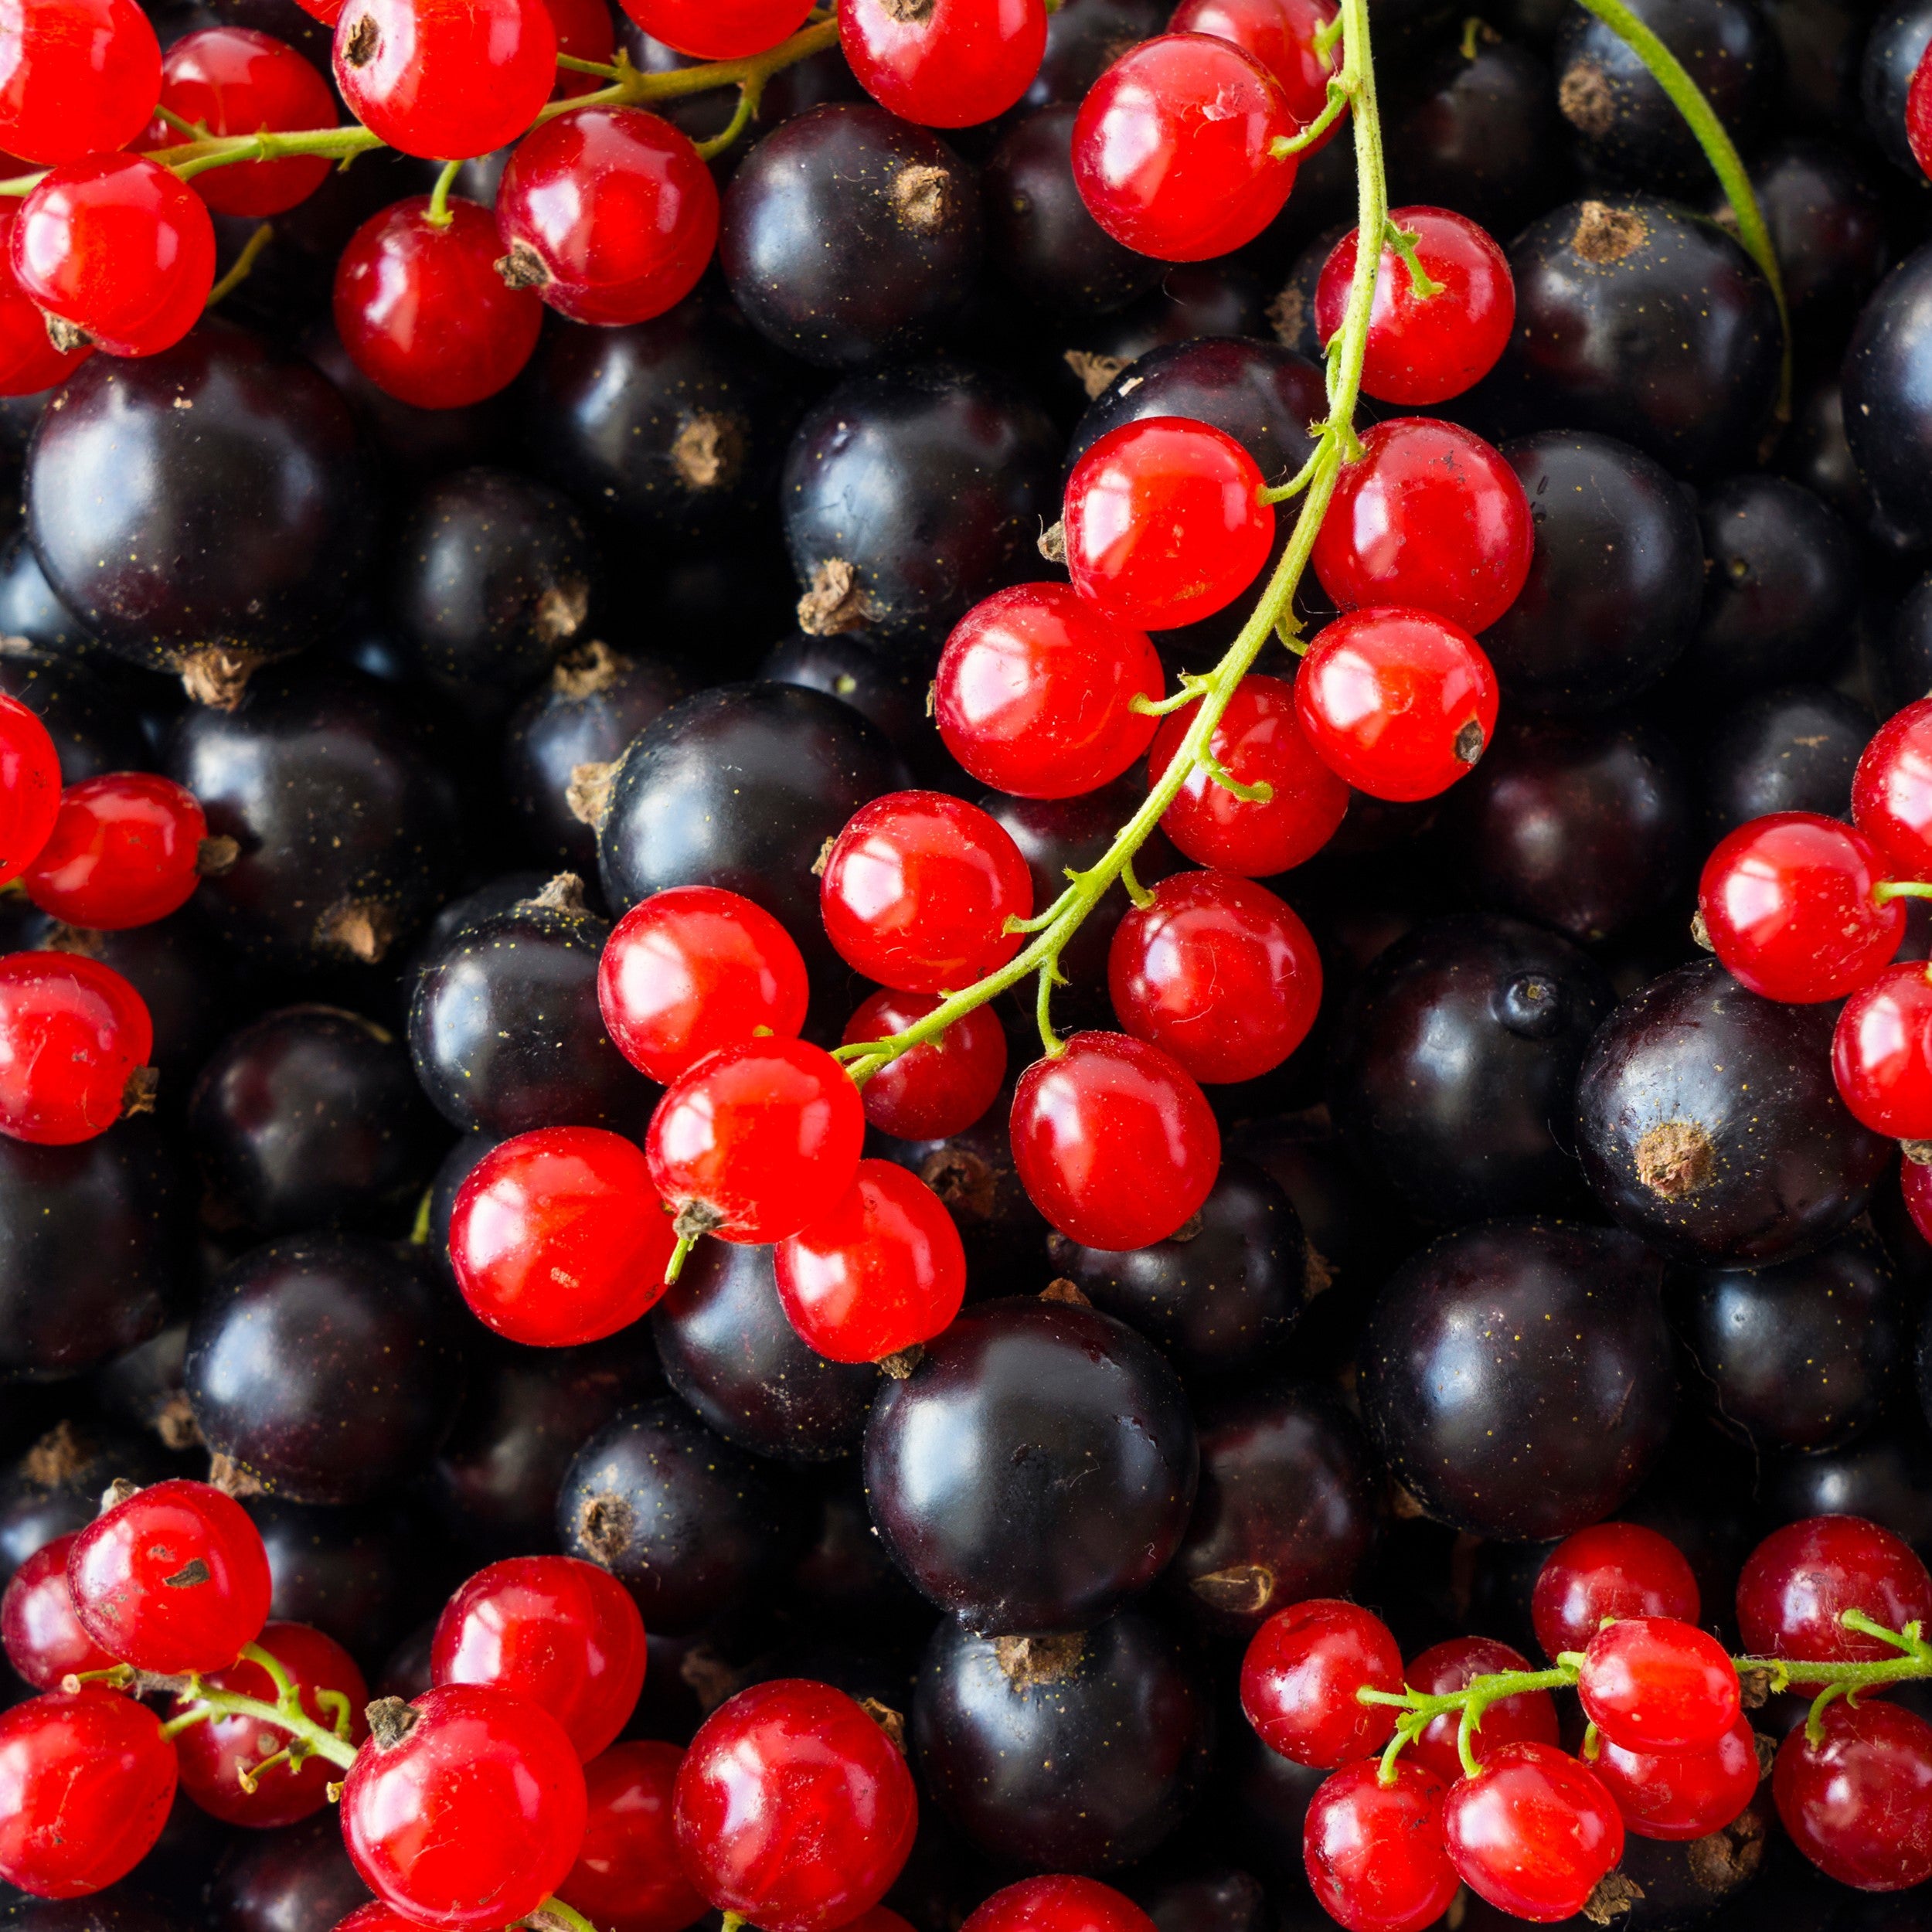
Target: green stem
212, 1703
438, 215
553, 1912
243, 263
1888, 889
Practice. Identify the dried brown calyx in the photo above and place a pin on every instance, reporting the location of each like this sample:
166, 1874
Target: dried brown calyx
216, 855
522, 268
560, 611
564, 894
1052, 543
1586, 99
1612, 1898
138, 1093
709, 449
586, 669
606, 1525
65, 336
58, 1457
363, 928
364, 37
390, 1720
902, 1362
1027, 1662
1242, 1590
967, 1185
1063, 1290
922, 197
588, 794
1604, 234
1675, 1159
1093, 373
217, 675
889, 1720
1470, 743
227, 1475
835, 602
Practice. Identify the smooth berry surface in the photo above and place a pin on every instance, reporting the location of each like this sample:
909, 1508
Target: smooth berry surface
124, 850
939, 1087
43, 1639
720, 29
627, 1876
1528, 1717
73, 1034
30, 793
1680, 1795
77, 77
1610, 1570
1797, 1585
1301, 1674
1533, 1831
1656, 1684
1881, 1053
1858, 1803
1374, 1852
951, 64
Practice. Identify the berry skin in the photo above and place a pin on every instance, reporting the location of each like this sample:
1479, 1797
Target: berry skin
422, 311
1171, 148
1681, 1795
1400, 703
1374, 1852
73, 1034
1918, 115
1035, 691
1218, 972
1892, 791
1610, 1570
793, 1807
1279, 34
80, 234
1299, 1676
30, 785
720, 29
941, 1086
555, 1631
1533, 1831
1422, 351
1859, 1803
627, 1878
1881, 1053
173, 1578
1163, 523
445, 79
1528, 1717
125, 851
754, 1140
558, 1237
76, 77
85, 1783
28, 360
1655, 1684
465, 1808
1800, 1580
1058, 1905
953, 65
1260, 740
610, 212
1789, 906
917, 889
884, 1270
1431, 517
1113, 1141
43, 1638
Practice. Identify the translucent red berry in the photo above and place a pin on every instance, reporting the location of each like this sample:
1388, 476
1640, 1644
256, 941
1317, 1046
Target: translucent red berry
1892, 791
585, 31
1682, 1795
1300, 1677
1533, 1831
77, 77
1797, 1585
125, 851
627, 1878
1281, 34
953, 63
720, 29
1858, 1803
28, 360
1059, 1904
1918, 115
1610, 1570
1528, 1717
1657, 1684
1881, 1053
74, 1036
1374, 1852
30, 785
44, 1640
939, 1087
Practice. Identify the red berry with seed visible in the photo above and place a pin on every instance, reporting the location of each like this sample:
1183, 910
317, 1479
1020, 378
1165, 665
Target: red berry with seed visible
1533, 1831
1858, 1804
1301, 1675
1528, 1717
1881, 1053
941, 1086
1400, 703
44, 1640
1281, 34
1797, 1585
627, 1878
1610, 1570
1656, 1684
1059, 1904
172, 1579
1424, 349
125, 851
77, 77
28, 360
1162, 522
73, 1034
1374, 1852
720, 29
1892, 791
1681, 1795
952, 63
30, 783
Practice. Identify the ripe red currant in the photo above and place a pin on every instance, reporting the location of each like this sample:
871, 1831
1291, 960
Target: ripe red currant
1797, 1584
74, 1036
1058, 1905
125, 851
627, 1878
951, 63
1374, 1852
1610, 1570
1300, 1677
1533, 1831
1918, 114
43, 1638
28, 360
720, 29
1657, 1684
585, 31
29, 784
1881, 1053
1682, 1795
939, 1087
77, 77
1858, 1804
1281, 34
1528, 1717
1892, 791
1915, 1183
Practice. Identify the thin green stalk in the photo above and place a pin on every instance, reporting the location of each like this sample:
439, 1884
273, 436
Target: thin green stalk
243, 265
438, 215
318, 1740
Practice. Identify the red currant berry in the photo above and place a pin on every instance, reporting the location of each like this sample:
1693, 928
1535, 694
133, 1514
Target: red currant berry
74, 1036
884, 1270
627, 1878
218, 1752
43, 1638
1528, 1717
1113, 1141
1790, 906
234, 80
1533, 1831
917, 889
1431, 517
585, 31
173, 1578
1797, 1585
1260, 740
77, 77
1610, 1570
793, 1807
1918, 114
85, 1783
1858, 1804
1915, 1183
1424, 349
610, 212
1374, 1852
1655, 1684
555, 1630
30, 785
445, 79
1035, 692
1682, 1795
1881, 1053
1218, 972
720, 29
125, 851
1401, 703
1163, 522
422, 311
1058, 1905
118, 248
465, 1808
28, 360
755, 1139
951, 63
558, 1237
1281, 34
1892, 791
1301, 1675
1173, 147
939, 1087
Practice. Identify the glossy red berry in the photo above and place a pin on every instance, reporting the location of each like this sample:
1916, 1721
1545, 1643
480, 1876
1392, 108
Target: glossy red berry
465, 1808
555, 1631
1858, 1804
29, 786
1424, 349
235, 80
125, 850
28, 360
85, 1783
422, 311
1796, 1586
1260, 740
883, 1271
1400, 703
1528, 1717
1533, 1831
793, 1808
941, 1086
917, 889
1163, 522
1682, 1795
1113, 1141
1281, 34
755, 1139
445, 79
1918, 114
119, 249
74, 1036
953, 63
558, 1237
1374, 1852
1892, 791
611, 213
627, 1878
1059, 1904
1881, 1053
43, 1638
1656, 1684
1218, 972
1790, 906
1173, 147
77, 77
216, 1754
1301, 1675
720, 29
1610, 1570
173, 1578
1431, 517
1035, 692
585, 31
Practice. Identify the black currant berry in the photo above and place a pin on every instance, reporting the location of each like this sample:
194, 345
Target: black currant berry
1827, 224
1895, 45
887, 686
1888, 410
1083, 39
91, 728
296, 1879
29, 610
1885, 1476
1791, 749
57, 1484
1194, 299
1211, 1898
